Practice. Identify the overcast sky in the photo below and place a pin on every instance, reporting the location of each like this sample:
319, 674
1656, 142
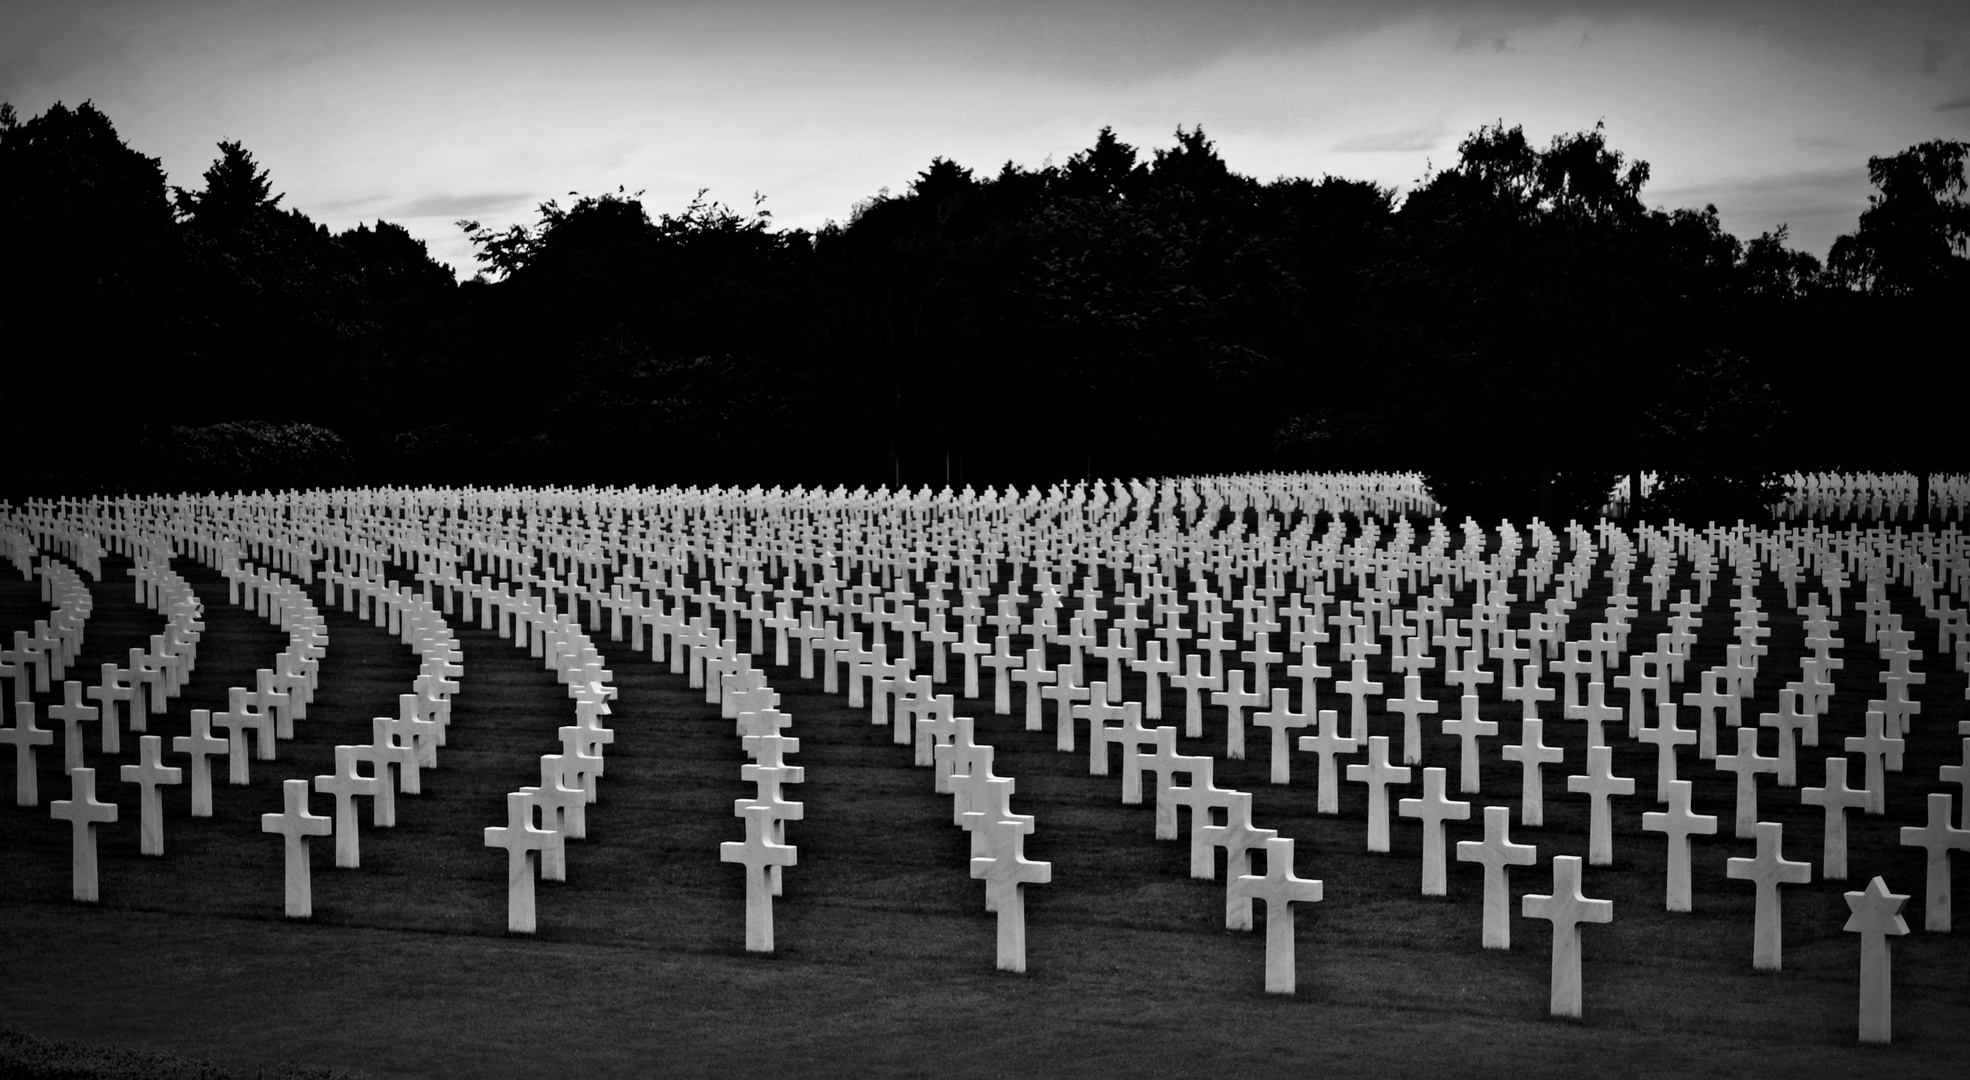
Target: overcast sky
425, 111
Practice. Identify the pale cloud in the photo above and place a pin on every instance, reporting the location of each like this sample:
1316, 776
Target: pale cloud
1953, 104
1414, 140
447, 205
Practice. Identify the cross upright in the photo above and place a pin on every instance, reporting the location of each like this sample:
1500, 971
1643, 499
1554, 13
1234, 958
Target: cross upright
1959, 775
343, 786
1531, 752
1938, 838
1378, 774
147, 775
1498, 854
297, 825
1566, 908
203, 746
1280, 719
1239, 838
1006, 870
1034, 674
1133, 738
523, 842
1432, 810
1708, 702
1261, 657
1003, 663
1468, 726
1413, 706
84, 813
1791, 725
1193, 682
26, 737
1358, 686
1678, 823
1598, 783
1235, 699
1154, 666
110, 688
1279, 888
1097, 711
73, 714
1666, 735
1064, 693
1768, 870
1747, 763
1880, 752
1164, 762
1836, 798
1309, 671
1577, 663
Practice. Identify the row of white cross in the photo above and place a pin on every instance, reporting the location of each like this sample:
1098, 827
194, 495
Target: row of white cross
744, 560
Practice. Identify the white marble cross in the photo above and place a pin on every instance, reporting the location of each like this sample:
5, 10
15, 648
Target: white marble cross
147, 775
1378, 774
1666, 734
1768, 870
1747, 763
26, 737
1531, 752
1566, 908
1836, 798
1498, 854
1938, 838
84, 813
1468, 727
1328, 743
1279, 888
1280, 720
1881, 752
1432, 810
297, 826
202, 745
1599, 783
524, 842
1678, 823
1006, 871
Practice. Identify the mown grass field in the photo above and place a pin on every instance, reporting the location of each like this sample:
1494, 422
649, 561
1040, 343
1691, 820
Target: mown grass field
885, 954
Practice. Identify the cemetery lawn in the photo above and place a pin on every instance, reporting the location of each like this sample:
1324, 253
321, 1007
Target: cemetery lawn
885, 954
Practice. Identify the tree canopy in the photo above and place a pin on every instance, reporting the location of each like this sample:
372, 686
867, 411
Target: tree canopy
1522, 325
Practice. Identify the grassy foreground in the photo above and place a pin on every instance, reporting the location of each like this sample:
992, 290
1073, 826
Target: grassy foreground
885, 959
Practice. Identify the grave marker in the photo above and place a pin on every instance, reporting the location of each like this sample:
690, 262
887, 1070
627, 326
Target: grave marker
1747, 763
1876, 914
1566, 908
1378, 774
1279, 888
1532, 753
148, 774
1768, 870
1006, 871
202, 745
1678, 823
1432, 810
1598, 783
84, 814
523, 843
1938, 838
756, 853
1836, 798
1498, 854
297, 826
26, 738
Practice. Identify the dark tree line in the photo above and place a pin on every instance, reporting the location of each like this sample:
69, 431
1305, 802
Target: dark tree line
1522, 327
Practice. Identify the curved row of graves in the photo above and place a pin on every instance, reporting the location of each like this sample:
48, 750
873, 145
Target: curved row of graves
1163, 590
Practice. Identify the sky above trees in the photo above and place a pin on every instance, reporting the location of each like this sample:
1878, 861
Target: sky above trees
426, 111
